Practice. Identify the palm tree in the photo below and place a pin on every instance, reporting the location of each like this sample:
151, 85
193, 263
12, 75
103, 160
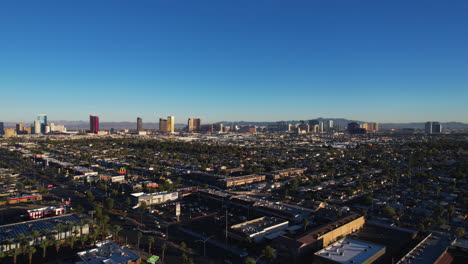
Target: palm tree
269, 253
116, 229
20, 240
30, 251
8, 242
139, 235
57, 244
35, 234
150, 242
44, 244
81, 224
163, 248
14, 253
47, 233
71, 241
59, 228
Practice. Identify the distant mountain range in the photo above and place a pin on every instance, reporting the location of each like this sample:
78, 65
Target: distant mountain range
340, 122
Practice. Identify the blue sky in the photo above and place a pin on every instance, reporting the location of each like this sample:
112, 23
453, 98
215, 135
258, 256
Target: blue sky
265, 60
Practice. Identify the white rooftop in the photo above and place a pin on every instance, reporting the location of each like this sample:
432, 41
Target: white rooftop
349, 250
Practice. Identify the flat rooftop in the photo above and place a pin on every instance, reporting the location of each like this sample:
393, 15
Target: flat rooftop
258, 225
11, 231
349, 250
107, 252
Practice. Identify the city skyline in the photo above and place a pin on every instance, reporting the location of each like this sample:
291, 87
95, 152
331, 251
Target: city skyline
251, 61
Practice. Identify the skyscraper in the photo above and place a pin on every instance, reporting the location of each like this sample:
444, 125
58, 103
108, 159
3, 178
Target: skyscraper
194, 124
93, 124
43, 119
162, 125
139, 124
433, 128
37, 127
19, 129
2, 127
170, 124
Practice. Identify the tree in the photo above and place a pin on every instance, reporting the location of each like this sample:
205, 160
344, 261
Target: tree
116, 230
183, 246
389, 211
269, 253
57, 244
250, 260
139, 235
30, 251
184, 258
305, 223
109, 204
71, 241
19, 186
150, 243
44, 244
459, 232
14, 253
90, 196
163, 248
79, 209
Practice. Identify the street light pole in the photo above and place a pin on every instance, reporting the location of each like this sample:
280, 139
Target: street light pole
204, 244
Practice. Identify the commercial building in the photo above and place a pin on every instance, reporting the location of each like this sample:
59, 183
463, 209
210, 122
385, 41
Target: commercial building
36, 127
42, 118
57, 128
229, 182
2, 127
433, 128
93, 124
370, 127
167, 125
355, 128
154, 198
162, 125
70, 225
319, 237
349, 250
194, 124
108, 252
139, 124
291, 172
25, 198
46, 211
9, 132
255, 230
20, 129
170, 124
248, 129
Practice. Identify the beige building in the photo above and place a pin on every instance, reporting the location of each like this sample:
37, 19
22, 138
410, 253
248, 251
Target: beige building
320, 237
194, 124
9, 132
167, 125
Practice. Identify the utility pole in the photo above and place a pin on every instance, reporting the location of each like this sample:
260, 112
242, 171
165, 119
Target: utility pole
226, 226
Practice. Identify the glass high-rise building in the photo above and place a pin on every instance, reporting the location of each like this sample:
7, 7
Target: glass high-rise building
139, 124
42, 118
93, 124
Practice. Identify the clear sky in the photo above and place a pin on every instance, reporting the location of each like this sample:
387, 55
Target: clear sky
265, 60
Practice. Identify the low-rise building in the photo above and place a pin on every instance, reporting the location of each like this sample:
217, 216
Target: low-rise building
349, 250
256, 229
154, 198
60, 228
109, 252
319, 237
